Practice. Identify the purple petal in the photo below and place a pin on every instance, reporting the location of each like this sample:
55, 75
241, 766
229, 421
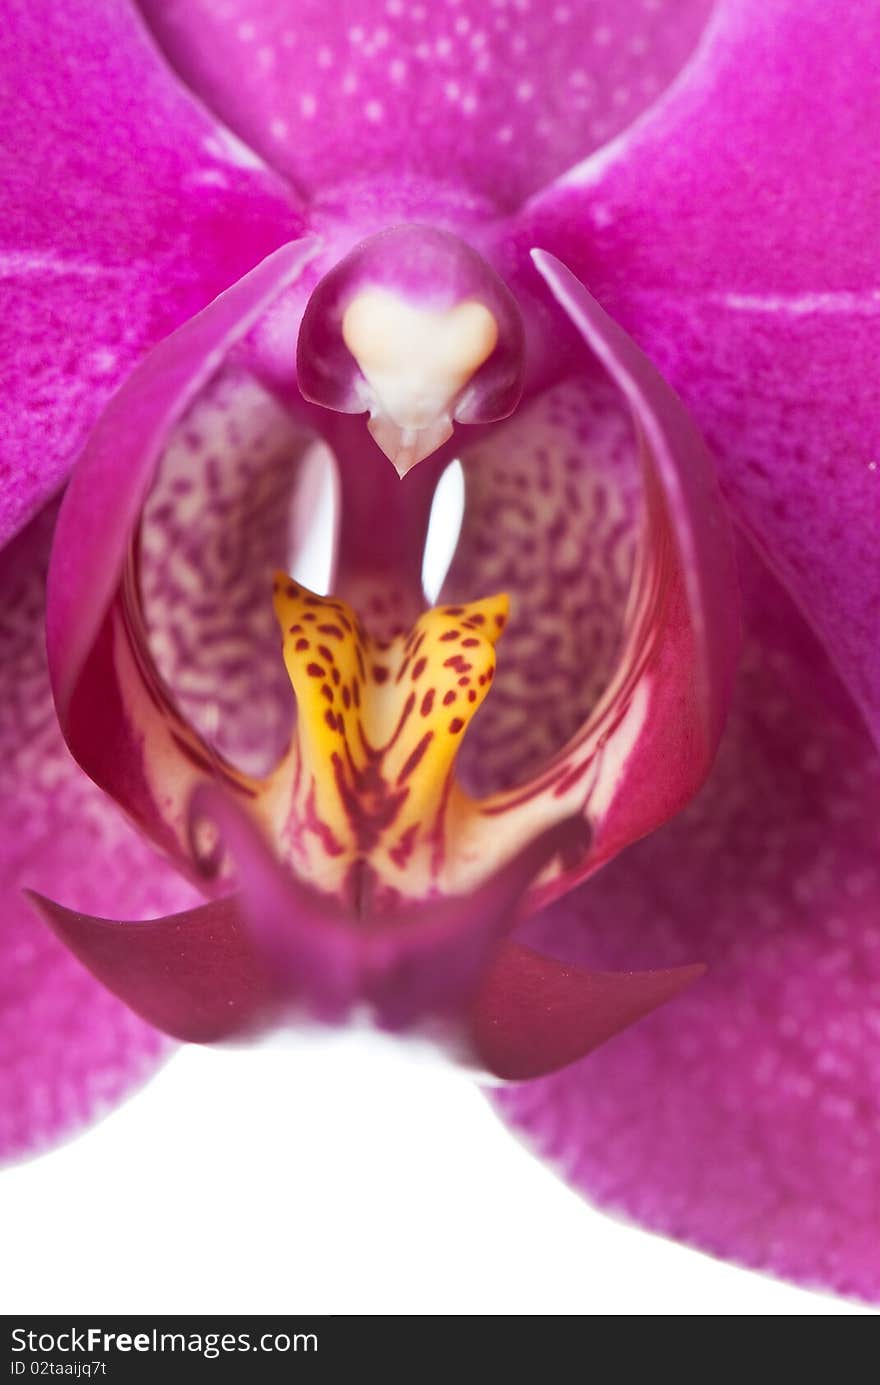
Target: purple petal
646, 747
745, 1117
68, 1049
735, 237
686, 477
493, 99
125, 209
116, 715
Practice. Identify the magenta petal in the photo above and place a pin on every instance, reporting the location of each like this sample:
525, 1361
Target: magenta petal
745, 1116
646, 747
112, 708
696, 513
125, 209
735, 236
195, 975
484, 97
535, 1014
68, 1049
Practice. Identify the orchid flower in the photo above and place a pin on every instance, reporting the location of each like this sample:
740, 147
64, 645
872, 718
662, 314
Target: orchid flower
245, 244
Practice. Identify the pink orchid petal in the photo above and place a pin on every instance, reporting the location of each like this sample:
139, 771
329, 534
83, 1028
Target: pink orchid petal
743, 1118
126, 208
535, 1014
647, 746
115, 713
735, 236
686, 475
490, 99
68, 1049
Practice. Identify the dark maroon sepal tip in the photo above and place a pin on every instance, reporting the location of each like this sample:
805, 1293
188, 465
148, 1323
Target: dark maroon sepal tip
534, 1014
195, 975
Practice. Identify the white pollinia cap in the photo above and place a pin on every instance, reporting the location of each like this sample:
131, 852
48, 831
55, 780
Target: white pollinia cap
415, 362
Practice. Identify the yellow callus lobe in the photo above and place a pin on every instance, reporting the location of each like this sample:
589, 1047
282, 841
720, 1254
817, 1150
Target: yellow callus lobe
379, 724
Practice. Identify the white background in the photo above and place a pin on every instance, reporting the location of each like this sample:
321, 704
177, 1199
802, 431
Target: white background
336, 1175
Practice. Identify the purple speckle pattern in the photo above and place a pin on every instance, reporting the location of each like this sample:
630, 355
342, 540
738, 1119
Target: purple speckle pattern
68, 1049
216, 526
744, 1117
455, 89
551, 517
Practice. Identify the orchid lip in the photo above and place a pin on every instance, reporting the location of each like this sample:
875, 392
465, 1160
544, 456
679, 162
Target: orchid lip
362, 830
311, 817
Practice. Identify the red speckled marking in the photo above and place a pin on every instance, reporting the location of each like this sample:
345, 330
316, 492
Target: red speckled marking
378, 780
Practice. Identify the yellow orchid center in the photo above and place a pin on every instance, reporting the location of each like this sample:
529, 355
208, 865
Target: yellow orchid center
379, 724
